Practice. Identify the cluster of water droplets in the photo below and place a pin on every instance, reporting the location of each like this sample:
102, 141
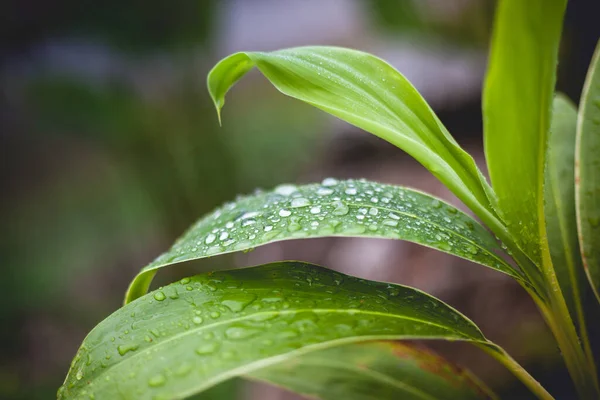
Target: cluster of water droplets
334, 208
235, 317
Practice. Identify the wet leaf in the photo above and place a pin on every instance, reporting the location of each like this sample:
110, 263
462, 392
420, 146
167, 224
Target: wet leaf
517, 100
334, 208
191, 335
588, 174
374, 370
367, 92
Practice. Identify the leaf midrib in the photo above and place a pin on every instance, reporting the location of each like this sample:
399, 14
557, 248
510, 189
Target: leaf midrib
373, 373
289, 311
407, 214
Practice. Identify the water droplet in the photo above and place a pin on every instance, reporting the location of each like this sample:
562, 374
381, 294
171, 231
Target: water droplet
229, 225
285, 190
240, 332
197, 320
324, 191
299, 202
373, 211
472, 249
237, 302
393, 216
340, 208
354, 229
329, 182
159, 296
185, 281
285, 213
294, 227
250, 215
248, 222
223, 236
126, 348
157, 380
184, 369
390, 222
268, 228
435, 203
315, 210
215, 314
207, 348
79, 375
210, 238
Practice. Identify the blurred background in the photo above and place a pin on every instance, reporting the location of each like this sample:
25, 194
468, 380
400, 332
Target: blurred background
110, 149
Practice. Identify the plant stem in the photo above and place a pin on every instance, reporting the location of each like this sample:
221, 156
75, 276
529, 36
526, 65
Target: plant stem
513, 366
579, 367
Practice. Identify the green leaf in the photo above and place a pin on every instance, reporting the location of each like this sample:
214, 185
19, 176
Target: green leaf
374, 370
365, 91
587, 166
334, 208
191, 335
516, 105
559, 195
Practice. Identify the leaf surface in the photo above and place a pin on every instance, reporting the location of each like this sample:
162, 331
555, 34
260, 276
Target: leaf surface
588, 174
334, 208
374, 370
190, 335
559, 195
367, 92
517, 101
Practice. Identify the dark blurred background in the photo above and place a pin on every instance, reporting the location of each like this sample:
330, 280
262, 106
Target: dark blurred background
110, 148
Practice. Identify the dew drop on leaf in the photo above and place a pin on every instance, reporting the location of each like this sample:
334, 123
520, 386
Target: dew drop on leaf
299, 202
157, 380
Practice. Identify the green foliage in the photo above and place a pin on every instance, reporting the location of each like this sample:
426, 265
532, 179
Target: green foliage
297, 325
588, 174
559, 197
367, 92
374, 370
193, 334
516, 107
334, 208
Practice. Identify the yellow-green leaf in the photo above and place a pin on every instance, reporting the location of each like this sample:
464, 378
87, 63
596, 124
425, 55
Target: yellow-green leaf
516, 108
367, 92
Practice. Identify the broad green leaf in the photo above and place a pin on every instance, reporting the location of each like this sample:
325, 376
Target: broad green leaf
559, 195
367, 92
334, 208
588, 174
374, 370
517, 101
191, 335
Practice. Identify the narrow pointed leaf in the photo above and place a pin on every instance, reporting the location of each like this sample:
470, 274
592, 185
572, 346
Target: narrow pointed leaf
367, 92
374, 370
193, 334
559, 195
588, 174
517, 101
334, 208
